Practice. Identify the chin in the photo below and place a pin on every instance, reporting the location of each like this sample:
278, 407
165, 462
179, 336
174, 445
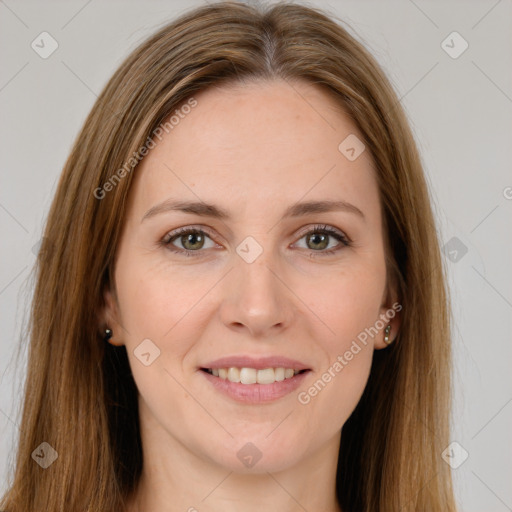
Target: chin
258, 454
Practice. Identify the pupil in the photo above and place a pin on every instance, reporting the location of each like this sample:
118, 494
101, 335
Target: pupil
191, 239
323, 240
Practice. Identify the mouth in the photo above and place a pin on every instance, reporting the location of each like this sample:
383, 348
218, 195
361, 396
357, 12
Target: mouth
250, 376
254, 386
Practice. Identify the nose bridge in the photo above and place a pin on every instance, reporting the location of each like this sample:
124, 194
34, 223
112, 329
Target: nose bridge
256, 283
255, 297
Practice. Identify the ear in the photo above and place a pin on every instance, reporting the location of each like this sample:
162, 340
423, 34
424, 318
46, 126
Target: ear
110, 318
389, 314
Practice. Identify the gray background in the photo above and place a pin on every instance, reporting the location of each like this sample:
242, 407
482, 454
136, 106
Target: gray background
460, 110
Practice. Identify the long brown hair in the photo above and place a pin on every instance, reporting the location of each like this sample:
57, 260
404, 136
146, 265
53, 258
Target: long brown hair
80, 396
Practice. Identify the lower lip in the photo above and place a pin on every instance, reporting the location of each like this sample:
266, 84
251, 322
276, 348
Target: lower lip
256, 393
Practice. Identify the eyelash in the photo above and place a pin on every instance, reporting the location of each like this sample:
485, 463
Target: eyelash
319, 228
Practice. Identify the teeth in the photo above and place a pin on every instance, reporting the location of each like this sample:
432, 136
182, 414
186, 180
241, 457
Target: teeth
279, 374
266, 376
234, 374
253, 376
248, 375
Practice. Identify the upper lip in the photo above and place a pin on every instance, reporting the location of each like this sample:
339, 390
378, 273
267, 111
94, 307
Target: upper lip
259, 363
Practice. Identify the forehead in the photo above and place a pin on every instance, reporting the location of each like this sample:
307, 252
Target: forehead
257, 142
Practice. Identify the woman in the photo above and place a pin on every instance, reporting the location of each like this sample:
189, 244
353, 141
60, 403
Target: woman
240, 302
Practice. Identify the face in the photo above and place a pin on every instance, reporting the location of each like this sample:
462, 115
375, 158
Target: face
276, 261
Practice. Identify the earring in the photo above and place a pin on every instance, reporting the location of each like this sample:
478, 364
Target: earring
108, 334
387, 330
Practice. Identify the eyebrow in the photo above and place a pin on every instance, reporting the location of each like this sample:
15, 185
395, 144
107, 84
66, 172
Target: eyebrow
210, 210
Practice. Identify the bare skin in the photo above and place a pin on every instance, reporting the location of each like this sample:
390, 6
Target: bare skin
253, 150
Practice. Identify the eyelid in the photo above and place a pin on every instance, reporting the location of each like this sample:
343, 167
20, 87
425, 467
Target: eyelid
208, 231
175, 233
342, 238
331, 230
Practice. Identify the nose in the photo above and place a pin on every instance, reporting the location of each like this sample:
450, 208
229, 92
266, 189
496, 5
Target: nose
256, 298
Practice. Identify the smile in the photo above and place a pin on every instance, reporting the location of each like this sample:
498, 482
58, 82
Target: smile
254, 386
252, 375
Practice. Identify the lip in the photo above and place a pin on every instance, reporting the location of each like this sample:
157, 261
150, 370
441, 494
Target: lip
258, 363
255, 393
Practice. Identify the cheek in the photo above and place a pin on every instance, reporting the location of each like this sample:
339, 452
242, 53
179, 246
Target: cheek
332, 395
160, 305
349, 304
165, 307
157, 299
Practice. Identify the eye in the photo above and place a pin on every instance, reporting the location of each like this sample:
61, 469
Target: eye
191, 240
320, 237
